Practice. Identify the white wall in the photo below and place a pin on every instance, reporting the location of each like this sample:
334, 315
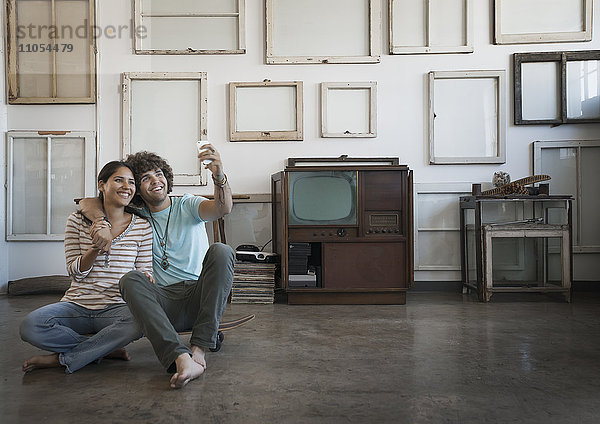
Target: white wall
402, 112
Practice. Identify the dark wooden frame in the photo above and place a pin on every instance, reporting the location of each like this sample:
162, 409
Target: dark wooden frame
559, 57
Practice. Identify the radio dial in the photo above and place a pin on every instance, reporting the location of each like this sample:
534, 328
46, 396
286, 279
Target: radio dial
341, 232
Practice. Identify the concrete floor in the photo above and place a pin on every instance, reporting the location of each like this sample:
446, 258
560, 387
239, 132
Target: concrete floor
441, 358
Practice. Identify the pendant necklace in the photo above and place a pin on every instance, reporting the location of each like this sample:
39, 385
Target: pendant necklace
164, 262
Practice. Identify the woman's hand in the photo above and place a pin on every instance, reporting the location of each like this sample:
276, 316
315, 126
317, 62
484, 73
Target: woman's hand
149, 276
101, 235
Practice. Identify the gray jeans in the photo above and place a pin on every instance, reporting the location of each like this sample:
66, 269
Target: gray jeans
162, 311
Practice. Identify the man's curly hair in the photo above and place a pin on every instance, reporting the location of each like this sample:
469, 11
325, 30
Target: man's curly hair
145, 161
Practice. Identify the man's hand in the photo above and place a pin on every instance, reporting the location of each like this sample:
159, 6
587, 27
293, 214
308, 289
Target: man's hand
101, 235
215, 166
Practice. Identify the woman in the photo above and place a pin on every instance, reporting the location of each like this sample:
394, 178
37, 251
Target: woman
93, 304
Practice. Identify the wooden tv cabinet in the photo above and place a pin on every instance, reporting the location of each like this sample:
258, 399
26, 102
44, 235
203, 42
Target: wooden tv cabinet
367, 262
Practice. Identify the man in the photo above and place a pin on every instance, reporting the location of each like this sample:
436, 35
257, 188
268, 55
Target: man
192, 280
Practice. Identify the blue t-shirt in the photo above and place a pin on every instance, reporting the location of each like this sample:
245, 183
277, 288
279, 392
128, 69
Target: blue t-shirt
187, 241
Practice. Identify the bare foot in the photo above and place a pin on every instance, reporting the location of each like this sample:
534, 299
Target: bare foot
198, 355
41, 361
119, 354
187, 370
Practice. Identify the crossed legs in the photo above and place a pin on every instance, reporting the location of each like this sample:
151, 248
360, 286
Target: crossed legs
162, 311
63, 328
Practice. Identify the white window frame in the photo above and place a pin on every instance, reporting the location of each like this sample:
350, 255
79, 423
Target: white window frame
241, 30
373, 37
400, 48
90, 149
371, 106
560, 35
500, 105
180, 179
266, 134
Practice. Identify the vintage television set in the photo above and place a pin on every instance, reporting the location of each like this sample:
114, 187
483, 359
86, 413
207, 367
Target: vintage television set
343, 228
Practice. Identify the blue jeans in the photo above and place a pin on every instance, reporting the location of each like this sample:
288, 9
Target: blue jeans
65, 328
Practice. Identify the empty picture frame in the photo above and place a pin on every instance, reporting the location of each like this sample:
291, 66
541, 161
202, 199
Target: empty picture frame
467, 117
165, 113
265, 111
557, 87
542, 21
349, 109
430, 26
323, 31
190, 27
51, 51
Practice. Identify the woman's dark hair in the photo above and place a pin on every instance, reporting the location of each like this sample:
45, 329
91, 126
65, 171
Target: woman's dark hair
109, 169
145, 161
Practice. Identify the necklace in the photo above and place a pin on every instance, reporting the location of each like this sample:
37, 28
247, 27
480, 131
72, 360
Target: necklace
164, 262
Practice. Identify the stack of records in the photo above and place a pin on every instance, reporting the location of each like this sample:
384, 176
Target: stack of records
298, 258
253, 282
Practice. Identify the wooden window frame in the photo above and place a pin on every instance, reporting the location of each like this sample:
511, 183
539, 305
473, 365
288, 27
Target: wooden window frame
266, 135
180, 179
428, 48
543, 37
559, 57
500, 156
374, 37
89, 172
241, 34
12, 65
372, 105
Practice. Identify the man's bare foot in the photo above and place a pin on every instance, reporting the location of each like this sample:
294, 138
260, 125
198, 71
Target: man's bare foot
198, 355
119, 354
187, 370
41, 361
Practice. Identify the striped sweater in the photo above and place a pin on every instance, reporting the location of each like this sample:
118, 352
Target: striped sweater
98, 287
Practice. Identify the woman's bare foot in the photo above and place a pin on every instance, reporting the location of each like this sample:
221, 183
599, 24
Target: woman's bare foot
187, 370
41, 361
198, 355
119, 354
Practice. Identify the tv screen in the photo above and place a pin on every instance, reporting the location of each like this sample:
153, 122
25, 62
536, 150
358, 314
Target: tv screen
323, 198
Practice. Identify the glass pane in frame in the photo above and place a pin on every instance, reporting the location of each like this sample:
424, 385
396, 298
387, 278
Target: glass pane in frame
265, 108
193, 33
448, 23
540, 90
67, 179
29, 186
169, 127
50, 51
583, 100
590, 201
